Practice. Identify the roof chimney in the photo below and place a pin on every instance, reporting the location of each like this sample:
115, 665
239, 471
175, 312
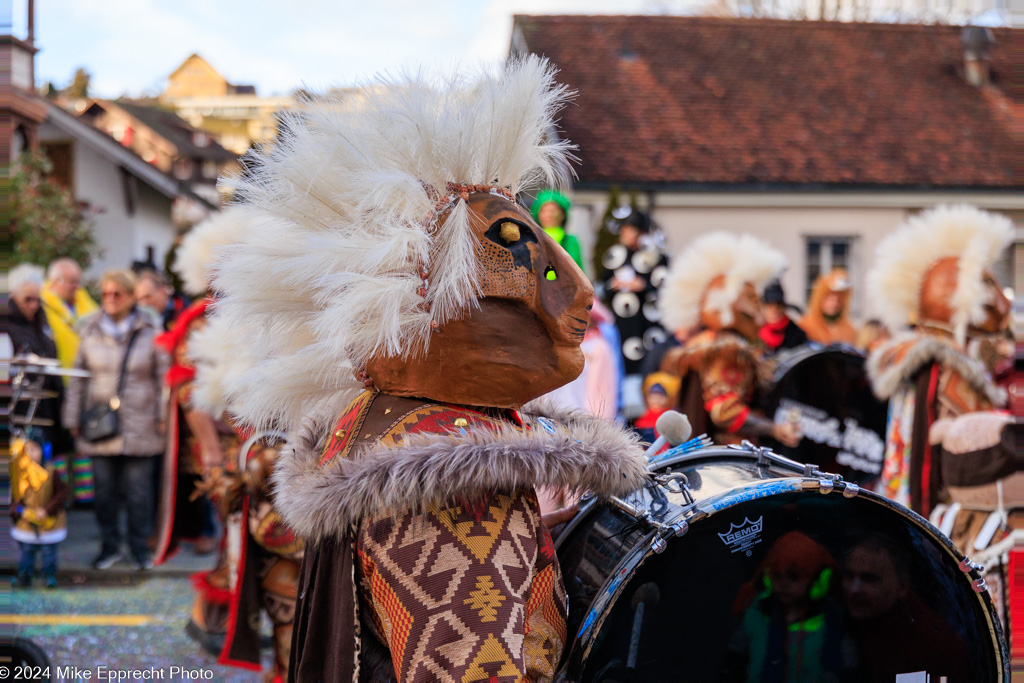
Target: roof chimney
977, 42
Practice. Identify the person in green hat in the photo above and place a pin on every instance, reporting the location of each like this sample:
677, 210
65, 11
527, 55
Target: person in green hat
551, 211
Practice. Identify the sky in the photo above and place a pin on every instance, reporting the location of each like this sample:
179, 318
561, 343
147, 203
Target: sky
131, 46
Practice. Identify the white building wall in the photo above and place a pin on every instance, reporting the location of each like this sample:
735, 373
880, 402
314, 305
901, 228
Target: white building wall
121, 236
786, 225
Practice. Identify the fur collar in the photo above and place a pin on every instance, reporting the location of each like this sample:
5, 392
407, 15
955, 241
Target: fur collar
586, 454
899, 359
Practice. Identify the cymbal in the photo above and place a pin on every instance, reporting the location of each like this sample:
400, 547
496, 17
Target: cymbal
52, 371
26, 359
20, 420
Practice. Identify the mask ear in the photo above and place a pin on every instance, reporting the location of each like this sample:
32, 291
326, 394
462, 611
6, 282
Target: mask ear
819, 589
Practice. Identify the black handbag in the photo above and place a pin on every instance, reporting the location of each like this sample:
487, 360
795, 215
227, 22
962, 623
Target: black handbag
101, 422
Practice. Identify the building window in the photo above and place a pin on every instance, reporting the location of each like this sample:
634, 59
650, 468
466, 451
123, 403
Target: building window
824, 254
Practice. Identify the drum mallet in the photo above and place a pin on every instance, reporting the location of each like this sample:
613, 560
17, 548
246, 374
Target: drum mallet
674, 429
646, 597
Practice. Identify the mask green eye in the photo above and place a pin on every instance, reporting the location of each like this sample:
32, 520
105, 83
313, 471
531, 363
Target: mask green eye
550, 273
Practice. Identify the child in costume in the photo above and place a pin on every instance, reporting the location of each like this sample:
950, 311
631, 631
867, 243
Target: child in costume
716, 283
38, 518
660, 391
405, 307
791, 629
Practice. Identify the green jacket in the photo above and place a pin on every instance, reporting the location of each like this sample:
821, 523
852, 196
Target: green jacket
569, 243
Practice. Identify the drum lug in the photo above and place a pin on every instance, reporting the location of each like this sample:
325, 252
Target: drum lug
979, 585
826, 485
850, 490
659, 545
681, 528
967, 566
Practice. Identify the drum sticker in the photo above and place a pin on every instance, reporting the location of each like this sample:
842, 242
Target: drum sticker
762, 490
859, 447
743, 537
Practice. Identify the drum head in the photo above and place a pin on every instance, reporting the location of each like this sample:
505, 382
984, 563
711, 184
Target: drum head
791, 586
842, 421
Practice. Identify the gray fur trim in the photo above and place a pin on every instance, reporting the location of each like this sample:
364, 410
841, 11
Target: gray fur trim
886, 381
588, 454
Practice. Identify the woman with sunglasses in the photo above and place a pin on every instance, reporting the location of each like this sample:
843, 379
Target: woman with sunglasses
123, 462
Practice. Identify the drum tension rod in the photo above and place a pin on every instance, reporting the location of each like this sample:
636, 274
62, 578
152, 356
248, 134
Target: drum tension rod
768, 457
664, 531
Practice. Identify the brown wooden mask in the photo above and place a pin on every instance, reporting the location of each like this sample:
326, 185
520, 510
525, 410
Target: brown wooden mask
521, 340
937, 293
746, 311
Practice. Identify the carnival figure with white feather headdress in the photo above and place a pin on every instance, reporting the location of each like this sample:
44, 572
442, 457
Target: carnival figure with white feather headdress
934, 273
405, 307
714, 285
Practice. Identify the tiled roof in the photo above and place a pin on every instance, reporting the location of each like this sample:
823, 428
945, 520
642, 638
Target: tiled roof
705, 102
174, 129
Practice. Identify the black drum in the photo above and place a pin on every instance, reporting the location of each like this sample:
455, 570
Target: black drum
842, 421
742, 565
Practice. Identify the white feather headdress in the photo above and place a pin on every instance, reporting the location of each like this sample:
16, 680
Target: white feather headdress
740, 258
195, 257
354, 188
220, 356
902, 260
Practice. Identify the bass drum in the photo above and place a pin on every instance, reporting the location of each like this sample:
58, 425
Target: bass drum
755, 567
842, 421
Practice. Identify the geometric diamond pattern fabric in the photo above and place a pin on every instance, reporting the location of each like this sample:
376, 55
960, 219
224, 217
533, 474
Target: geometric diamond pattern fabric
457, 595
465, 591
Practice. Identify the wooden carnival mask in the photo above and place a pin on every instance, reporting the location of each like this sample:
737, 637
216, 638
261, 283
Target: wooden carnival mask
746, 310
522, 339
936, 298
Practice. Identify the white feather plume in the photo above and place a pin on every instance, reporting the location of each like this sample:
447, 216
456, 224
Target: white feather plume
902, 260
195, 256
350, 186
740, 258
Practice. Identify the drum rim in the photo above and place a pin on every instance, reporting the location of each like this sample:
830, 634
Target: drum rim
792, 358
612, 589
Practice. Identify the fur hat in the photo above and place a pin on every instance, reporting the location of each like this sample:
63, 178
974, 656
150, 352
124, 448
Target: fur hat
354, 187
195, 257
740, 258
902, 260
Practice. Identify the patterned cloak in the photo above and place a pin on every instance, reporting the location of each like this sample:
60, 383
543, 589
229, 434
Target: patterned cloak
925, 378
426, 558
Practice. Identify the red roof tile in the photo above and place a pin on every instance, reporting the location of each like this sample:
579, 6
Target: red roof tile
680, 101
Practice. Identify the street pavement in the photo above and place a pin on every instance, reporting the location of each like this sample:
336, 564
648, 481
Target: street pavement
119, 618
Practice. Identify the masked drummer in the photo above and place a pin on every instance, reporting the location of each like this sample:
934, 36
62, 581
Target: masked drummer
715, 284
934, 273
407, 307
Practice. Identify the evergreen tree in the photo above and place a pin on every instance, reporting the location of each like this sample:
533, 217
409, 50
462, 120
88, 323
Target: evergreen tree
45, 219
